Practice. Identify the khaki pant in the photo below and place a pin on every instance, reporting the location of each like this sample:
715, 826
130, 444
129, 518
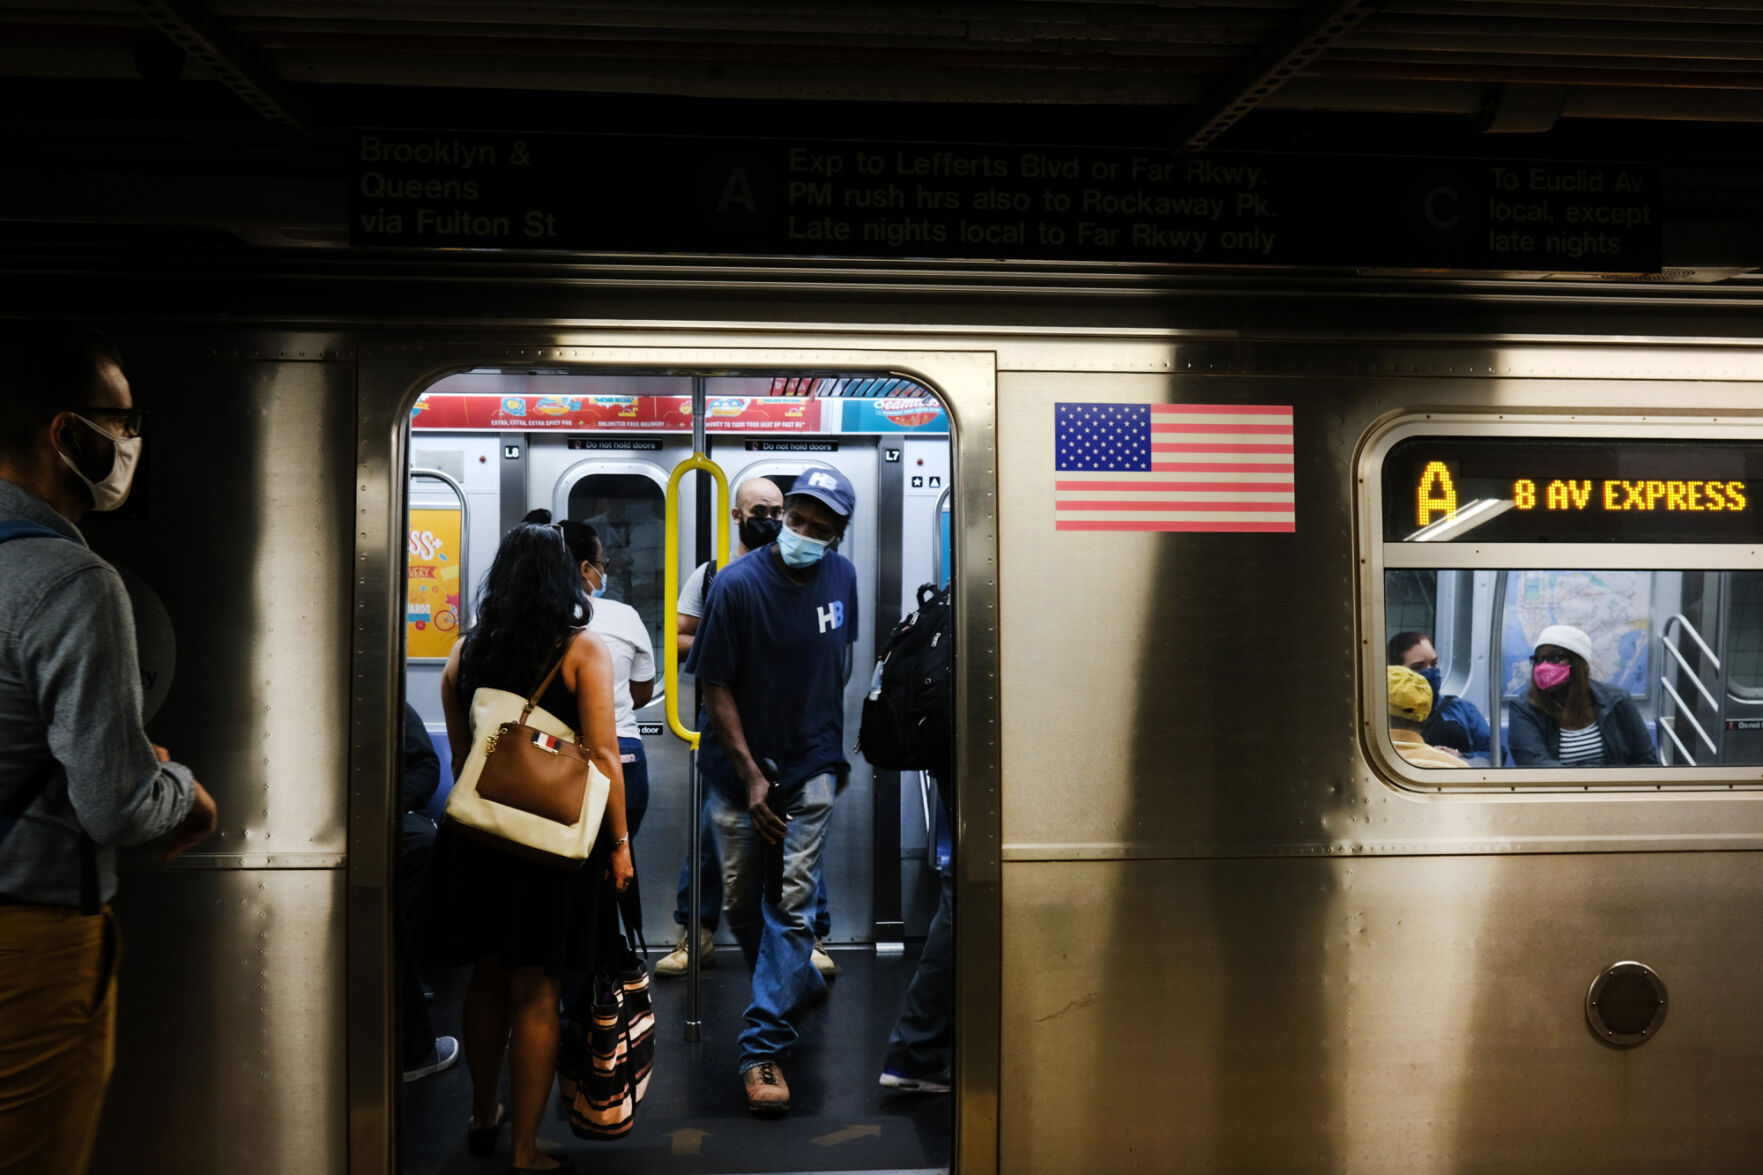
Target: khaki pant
57, 1035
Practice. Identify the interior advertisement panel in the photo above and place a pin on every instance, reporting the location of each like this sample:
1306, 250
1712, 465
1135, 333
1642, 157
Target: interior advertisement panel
432, 593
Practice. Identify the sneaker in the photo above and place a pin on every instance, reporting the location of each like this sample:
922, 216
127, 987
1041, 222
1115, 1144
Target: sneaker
675, 961
905, 1083
767, 1091
823, 962
446, 1052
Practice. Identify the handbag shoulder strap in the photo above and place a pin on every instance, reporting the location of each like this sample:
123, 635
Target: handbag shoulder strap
533, 701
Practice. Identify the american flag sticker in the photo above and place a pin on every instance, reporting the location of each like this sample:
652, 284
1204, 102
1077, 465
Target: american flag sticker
1186, 467
545, 742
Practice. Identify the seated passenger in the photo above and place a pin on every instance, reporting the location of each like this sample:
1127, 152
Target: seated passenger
1410, 702
1569, 720
1456, 722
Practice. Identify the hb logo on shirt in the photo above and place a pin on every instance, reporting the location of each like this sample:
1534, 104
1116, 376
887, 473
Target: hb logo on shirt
831, 615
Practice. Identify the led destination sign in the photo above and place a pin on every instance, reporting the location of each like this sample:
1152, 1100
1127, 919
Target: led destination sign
1542, 490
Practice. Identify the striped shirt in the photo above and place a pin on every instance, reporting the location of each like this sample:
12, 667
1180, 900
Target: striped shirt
1582, 748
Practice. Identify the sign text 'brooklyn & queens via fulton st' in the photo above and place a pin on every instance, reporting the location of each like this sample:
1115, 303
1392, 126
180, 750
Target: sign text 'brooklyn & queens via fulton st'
762, 197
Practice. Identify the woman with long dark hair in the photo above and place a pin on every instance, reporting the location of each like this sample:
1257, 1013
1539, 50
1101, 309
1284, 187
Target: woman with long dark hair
633, 659
520, 924
1569, 720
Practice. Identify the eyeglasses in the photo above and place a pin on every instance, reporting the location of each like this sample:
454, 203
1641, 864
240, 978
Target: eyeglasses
133, 419
1551, 658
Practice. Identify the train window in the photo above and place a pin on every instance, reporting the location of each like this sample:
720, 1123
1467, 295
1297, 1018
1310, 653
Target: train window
1744, 647
1411, 602
628, 511
1558, 604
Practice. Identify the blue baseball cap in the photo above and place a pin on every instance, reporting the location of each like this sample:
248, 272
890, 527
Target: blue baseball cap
828, 485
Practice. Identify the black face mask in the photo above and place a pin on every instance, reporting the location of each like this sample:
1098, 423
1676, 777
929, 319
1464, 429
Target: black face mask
757, 532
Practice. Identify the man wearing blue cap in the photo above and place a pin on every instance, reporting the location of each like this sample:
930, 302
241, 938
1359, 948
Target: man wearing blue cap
773, 653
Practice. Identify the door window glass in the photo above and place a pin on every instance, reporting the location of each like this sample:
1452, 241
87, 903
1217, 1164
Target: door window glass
627, 511
1745, 646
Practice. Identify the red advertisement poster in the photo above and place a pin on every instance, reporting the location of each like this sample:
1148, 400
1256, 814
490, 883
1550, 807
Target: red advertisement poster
529, 413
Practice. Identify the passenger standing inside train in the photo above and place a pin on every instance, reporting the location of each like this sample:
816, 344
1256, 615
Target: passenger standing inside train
78, 775
633, 662
1410, 702
424, 1052
773, 655
758, 517
1569, 720
519, 923
1456, 722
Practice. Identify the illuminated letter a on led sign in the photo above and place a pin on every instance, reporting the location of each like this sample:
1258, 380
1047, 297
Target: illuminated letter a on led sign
1437, 494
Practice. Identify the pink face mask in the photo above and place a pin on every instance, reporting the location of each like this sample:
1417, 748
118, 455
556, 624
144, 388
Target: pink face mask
1550, 674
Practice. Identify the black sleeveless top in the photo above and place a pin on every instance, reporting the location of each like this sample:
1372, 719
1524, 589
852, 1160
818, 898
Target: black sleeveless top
483, 901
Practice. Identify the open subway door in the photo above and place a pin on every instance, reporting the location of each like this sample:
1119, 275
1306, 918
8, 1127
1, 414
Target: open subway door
654, 463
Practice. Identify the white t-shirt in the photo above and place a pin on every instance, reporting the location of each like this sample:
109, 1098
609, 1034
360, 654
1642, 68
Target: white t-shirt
691, 593
633, 658
691, 596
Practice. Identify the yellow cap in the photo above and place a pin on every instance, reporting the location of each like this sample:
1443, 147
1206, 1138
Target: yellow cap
1410, 696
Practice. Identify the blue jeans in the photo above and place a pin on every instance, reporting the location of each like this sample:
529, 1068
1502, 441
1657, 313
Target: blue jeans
710, 882
636, 783
773, 921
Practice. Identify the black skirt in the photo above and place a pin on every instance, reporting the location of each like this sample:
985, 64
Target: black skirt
484, 902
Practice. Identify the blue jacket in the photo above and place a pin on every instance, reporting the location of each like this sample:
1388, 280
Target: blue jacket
1536, 737
1465, 714
70, 690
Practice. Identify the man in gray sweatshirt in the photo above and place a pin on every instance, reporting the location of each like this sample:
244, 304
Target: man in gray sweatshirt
78, 775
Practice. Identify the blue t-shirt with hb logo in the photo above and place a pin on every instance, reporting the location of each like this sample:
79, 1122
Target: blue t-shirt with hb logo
779, 647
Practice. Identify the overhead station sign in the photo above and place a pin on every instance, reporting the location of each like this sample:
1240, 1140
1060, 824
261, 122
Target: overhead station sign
606, 193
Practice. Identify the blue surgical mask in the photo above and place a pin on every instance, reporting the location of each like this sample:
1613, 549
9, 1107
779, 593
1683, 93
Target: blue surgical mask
799, 550
601, 590
1435, 677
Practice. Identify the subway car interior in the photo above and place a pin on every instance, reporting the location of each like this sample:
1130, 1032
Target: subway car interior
487, 446
1339, 426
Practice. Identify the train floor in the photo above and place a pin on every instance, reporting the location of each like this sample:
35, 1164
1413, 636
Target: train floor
694, 1120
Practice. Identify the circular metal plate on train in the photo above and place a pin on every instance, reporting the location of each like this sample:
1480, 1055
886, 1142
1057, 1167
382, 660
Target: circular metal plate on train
1626, 1004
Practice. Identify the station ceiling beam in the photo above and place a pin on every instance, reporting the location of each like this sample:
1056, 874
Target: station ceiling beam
200, 34
1280, 58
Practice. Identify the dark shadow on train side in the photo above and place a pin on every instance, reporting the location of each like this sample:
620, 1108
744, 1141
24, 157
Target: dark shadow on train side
224, 573
1242, 716
694, 1118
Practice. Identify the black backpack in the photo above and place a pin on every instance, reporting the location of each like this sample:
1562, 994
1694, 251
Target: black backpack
908, 713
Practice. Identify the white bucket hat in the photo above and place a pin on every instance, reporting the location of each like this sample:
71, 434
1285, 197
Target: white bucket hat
1565, 636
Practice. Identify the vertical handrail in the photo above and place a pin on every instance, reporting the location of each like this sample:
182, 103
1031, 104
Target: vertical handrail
1680, 708
1497, 674
1678, 743
697, 462
1683, 711
936, 535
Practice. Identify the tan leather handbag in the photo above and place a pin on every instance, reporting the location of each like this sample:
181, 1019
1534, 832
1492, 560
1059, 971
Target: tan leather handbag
528, 780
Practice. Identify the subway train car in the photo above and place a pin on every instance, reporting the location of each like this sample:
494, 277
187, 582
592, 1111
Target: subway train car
1208, 917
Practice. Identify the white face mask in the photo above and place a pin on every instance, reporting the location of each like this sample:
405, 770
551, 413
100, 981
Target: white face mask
113, 491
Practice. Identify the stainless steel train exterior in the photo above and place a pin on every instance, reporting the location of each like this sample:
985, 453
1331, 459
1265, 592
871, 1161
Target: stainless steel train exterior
1203, 925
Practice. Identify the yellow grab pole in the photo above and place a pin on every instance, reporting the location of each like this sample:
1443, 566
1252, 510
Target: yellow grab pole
670, 617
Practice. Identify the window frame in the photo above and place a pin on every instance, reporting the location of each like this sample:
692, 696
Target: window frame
592, 466
1376, 556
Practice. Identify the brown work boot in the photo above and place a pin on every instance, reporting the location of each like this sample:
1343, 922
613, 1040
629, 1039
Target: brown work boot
767, 1091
